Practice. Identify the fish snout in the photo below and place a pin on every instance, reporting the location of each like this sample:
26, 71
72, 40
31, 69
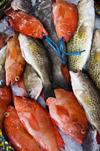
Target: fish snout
77, 132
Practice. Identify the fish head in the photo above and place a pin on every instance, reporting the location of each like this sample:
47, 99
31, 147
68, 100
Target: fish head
77, 131
13, 74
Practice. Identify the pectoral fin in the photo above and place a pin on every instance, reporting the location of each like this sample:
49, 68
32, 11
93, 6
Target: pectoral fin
62, 111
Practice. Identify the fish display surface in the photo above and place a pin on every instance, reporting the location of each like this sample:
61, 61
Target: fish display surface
82, 38
42, 11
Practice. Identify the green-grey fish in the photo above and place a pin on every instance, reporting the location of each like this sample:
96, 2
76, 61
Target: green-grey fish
2, 65
36, 55
82, 37
94, 60
88, 96
32, 82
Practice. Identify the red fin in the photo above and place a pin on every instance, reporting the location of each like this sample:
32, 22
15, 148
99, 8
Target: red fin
31, 120
42, 94
50, 100
98, 138
62, 111
14, 53
65, 73
60, 141
9, 11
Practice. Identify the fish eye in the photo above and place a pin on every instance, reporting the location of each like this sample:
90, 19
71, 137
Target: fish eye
29, 92
34, 32
16, 78
85, 75
1, 82
83, 131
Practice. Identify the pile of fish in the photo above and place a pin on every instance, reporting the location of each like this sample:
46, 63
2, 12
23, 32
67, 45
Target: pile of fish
49, 76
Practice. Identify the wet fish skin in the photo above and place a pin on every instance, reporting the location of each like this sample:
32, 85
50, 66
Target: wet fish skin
15, 63
42, 11
24, 5
2, 65
19, 138
36, 55
2, 42
5, 100
94, 60
37, 122
82, 37
32, 82
88, 96
68, 115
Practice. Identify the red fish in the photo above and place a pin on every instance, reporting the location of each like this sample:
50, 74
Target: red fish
19, 138
25, 24
2, 42
65, 16
5, 100
68, 114
14, 64
38, 123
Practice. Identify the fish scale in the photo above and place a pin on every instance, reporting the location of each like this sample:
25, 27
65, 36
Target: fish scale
82, 38
94, 61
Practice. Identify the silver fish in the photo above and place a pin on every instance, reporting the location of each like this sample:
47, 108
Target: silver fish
32, 82
94, 60
88, 96
23, 5
42, 11
82, 37
2, 65
36, 55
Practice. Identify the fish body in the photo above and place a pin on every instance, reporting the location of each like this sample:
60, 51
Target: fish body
4, 4
88, 96
68, 114
19, 138
14, 64
82, 37
37, 122
65, 16
24, 5
5, 100
19, 21
94, 60
32, 82
43, 12
36, 55
2, 65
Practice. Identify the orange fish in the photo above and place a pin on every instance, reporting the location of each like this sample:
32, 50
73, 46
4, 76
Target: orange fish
5, 100
19, 138
14, 64
68, 114
38, 123
65, 16
2, 42
25, 24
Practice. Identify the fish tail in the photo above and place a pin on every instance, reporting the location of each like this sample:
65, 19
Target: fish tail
48, 92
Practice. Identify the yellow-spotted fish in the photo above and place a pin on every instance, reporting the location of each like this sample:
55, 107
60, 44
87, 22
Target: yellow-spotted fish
94, 61
4, 146
82, 37
88, 96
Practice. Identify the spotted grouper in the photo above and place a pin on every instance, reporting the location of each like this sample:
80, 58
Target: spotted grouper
82, 37
89, 97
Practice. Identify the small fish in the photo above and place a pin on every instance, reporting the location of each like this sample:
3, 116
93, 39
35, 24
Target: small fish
32, 82
24, 5
88, 96
43, 12
35, 28
2, 65
94, 60
36, 55
37, 122
2, 42
65, 17
4, 146
68, 114
82, 37
4, 4
5, 100
19, 138
14, 64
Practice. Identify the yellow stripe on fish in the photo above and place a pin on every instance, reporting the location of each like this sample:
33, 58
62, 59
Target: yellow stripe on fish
82, 38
